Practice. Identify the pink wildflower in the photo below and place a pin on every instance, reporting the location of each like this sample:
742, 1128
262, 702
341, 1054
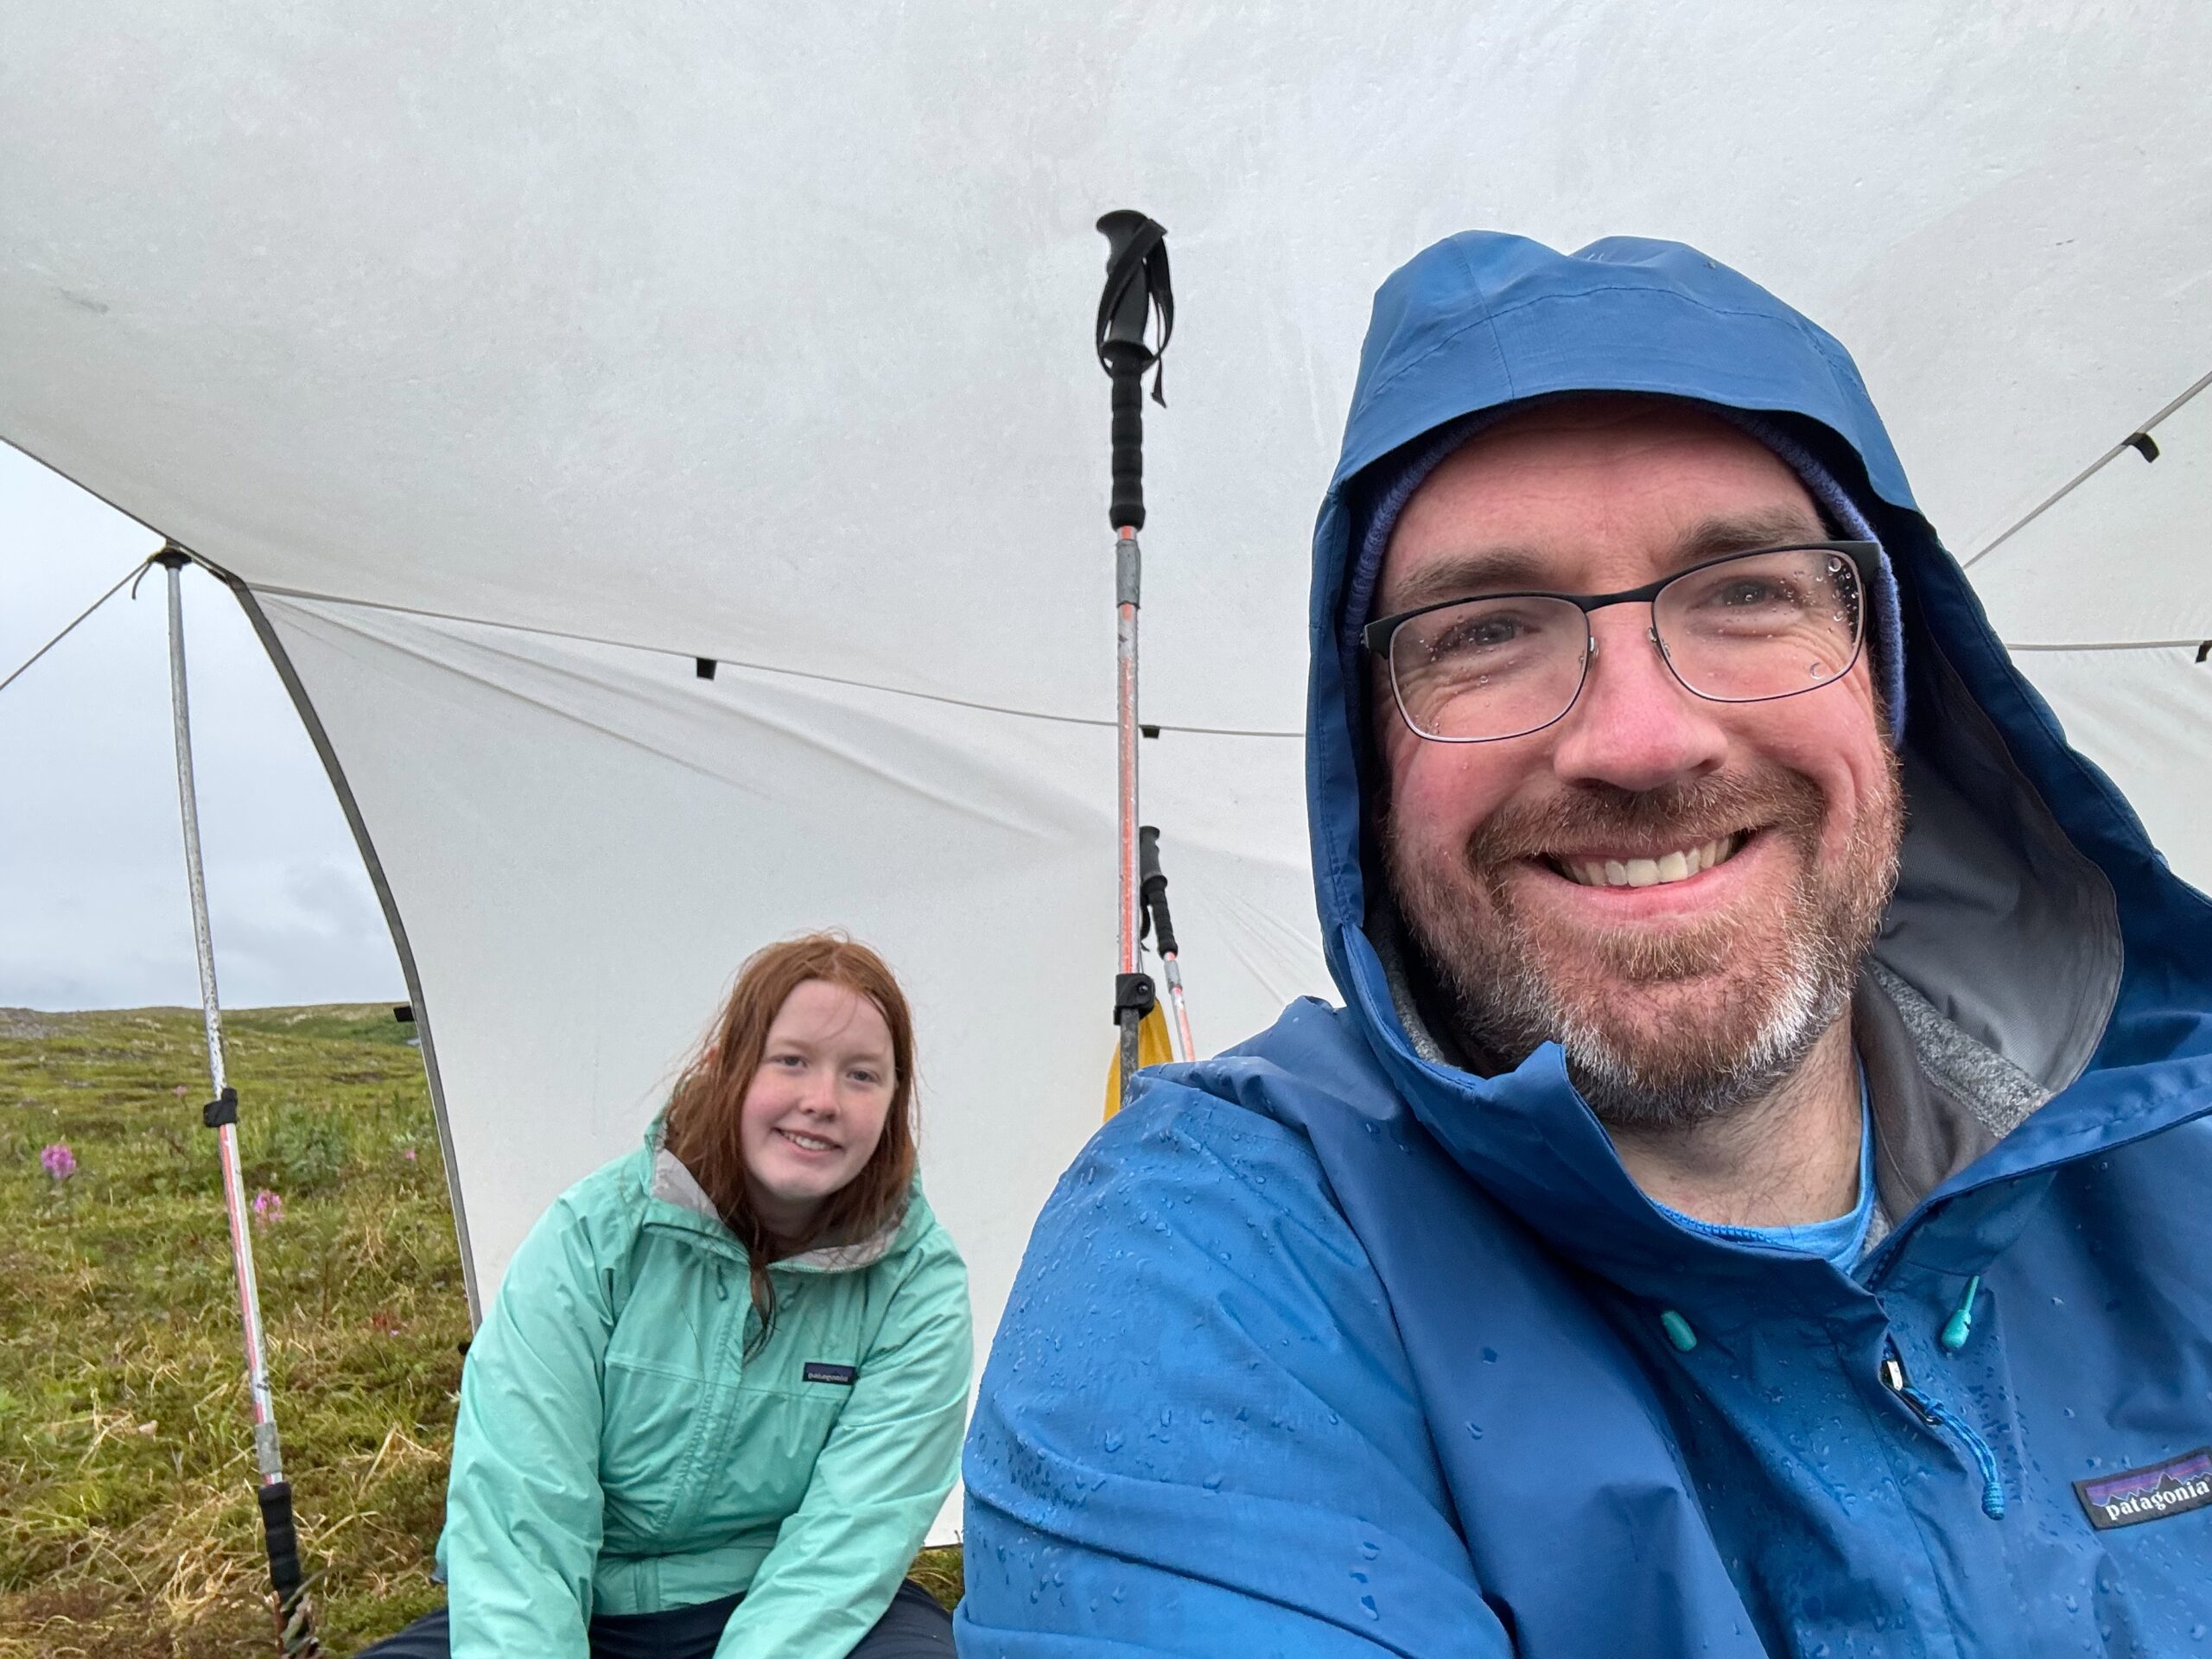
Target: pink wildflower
268, 1208
60, 1162
409, 1154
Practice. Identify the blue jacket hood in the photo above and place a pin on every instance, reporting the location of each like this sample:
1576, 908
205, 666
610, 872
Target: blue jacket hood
2032, 911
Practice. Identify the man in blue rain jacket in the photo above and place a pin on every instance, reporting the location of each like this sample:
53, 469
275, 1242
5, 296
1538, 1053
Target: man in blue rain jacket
1756, 1197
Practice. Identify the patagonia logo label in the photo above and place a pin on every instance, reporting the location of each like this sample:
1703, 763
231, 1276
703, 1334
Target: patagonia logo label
821, 1370
2173, 1487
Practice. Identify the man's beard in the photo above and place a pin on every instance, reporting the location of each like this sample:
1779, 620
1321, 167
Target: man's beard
1730, 1004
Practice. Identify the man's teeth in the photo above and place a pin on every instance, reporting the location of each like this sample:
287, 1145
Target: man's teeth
1651, 871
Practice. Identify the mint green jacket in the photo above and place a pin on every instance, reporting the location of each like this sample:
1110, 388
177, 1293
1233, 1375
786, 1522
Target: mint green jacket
616, 1452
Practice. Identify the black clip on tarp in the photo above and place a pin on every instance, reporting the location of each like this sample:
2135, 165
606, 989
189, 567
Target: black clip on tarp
1137, 288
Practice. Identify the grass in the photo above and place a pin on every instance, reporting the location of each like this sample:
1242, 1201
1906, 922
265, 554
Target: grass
127, 1522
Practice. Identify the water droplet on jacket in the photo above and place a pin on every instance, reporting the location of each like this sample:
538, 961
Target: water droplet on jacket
1474, 1430
1212, 1483
1369, 1549
1113, 1441
1490, 1356
1367, 1606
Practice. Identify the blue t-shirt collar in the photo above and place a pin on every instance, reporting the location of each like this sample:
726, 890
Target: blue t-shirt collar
1842, 1241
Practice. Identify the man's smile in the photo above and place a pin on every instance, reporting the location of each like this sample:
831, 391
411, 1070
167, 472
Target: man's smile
1620, 868
1609, 885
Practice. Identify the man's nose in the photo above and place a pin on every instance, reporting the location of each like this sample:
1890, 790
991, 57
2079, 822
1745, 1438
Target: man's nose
1635, 726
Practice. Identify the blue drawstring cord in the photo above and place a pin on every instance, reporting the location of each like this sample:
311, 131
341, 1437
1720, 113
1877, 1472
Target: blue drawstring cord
1992, 1481
1935, 1416
1956, 1331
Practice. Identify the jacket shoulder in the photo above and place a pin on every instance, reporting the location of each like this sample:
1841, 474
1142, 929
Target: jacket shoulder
927, 1272
1199, 1389
592, 1225
1198, 1230
1313, 1060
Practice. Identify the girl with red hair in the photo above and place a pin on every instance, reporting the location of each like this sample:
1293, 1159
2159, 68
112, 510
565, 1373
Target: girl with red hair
719, 1397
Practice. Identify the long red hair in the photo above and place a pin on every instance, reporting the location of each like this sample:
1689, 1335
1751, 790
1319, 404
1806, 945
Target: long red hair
701, 1128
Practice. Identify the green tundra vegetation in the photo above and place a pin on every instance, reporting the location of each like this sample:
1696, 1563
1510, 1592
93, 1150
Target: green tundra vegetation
127, 1520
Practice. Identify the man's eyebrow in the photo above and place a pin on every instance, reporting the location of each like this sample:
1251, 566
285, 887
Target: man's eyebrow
1740, 533
1464, 575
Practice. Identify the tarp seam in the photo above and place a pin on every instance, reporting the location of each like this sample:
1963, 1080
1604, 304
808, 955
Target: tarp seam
313, 596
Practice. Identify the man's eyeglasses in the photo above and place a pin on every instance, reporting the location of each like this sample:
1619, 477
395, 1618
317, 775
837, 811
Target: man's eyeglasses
1746, 628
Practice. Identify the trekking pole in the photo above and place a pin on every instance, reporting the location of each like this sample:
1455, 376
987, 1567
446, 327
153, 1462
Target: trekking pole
1155, 885
294, 1611
1136, 290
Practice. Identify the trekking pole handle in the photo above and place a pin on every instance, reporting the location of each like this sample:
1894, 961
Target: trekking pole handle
295, 1618
1153, 884
1137, 289
1126, 508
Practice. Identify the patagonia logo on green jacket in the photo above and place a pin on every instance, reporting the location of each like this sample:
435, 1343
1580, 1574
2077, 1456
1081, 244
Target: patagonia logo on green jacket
821, 1370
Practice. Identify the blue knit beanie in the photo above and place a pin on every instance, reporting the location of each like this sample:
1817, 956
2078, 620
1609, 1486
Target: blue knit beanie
1390, 484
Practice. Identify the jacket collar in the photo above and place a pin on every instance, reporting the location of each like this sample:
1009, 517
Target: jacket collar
674, 1195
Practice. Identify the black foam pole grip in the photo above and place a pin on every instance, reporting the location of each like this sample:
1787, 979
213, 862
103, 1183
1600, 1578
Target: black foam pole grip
283, 1539
1127, 508
1149, 871
1152, 882
1163, 926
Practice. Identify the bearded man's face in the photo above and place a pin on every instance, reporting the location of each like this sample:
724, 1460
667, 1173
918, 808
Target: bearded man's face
1771, 829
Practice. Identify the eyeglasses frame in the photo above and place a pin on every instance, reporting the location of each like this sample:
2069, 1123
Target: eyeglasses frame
1374, 637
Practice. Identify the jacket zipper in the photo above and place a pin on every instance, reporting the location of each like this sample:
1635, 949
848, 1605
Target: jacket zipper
1939, 1418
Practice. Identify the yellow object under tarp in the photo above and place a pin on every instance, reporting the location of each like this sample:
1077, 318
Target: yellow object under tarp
1152, 1049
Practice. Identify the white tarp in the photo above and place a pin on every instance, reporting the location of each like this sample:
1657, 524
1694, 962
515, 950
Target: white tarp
516, 356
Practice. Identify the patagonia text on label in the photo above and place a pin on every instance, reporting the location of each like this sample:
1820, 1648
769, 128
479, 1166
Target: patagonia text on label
2151, 1493
821, 1370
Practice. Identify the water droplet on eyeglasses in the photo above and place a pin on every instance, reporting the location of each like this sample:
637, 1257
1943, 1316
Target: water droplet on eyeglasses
1818, 671
1481, 679
1835, 565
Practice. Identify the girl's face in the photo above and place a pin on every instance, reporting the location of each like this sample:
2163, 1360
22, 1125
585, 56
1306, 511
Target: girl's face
816, 1107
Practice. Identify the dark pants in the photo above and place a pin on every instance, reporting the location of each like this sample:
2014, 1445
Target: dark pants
915, 1627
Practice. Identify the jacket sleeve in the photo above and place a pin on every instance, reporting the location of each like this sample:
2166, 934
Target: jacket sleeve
523, 1505
1198, 1433
879, 1482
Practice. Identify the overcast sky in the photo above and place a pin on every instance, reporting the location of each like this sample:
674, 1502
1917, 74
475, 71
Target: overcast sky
94, 911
